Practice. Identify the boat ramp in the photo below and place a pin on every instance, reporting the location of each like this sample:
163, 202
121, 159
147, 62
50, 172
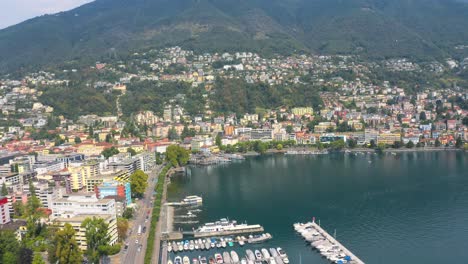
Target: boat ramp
326, 244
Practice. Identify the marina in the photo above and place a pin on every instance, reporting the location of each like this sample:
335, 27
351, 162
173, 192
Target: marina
378, 208
248, 256
326, 244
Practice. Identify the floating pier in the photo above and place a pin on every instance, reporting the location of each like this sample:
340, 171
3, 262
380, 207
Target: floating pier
326, 244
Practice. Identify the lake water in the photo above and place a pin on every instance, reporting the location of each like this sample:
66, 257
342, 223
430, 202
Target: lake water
403, 208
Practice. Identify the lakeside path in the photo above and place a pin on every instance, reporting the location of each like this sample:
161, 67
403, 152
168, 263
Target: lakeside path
157, 239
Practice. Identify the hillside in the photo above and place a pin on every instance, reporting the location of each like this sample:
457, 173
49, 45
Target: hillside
422, 29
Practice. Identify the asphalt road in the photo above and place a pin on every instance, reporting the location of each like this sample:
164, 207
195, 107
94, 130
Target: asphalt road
135, 252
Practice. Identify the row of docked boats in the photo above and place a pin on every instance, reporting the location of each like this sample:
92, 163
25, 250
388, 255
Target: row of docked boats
212, 243
328, 248
271, 256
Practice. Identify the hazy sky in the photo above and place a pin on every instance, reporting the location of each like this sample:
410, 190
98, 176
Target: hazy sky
15, 11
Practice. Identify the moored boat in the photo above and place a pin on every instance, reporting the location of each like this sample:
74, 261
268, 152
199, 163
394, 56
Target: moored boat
234, 257
227, 257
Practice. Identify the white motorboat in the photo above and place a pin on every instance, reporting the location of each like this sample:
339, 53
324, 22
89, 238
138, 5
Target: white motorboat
281, 252
234, 257
227, 258
265, 253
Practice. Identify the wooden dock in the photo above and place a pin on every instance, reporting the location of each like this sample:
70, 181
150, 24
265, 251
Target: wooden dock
327, 238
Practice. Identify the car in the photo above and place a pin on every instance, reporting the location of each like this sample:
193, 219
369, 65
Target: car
136, 241
125, 248
144, 229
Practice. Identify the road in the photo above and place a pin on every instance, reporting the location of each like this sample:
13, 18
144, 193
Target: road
132, 254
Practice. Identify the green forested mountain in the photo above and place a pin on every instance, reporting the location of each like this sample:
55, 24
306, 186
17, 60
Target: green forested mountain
420, 29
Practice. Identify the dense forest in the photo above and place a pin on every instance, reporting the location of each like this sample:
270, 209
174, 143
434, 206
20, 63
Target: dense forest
74, 100
420, 29
240, 97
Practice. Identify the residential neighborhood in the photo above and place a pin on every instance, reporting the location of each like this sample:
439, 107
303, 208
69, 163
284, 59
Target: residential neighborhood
81, 168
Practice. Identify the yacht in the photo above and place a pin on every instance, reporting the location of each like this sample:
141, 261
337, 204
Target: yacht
186, 260
194, 261
207, 245
273, 252
212, 260
178, 260
169, 262
259, 238
224, 225
192, 200
243, 261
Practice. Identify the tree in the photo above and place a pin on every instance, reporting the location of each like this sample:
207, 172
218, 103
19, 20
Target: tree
397, 144
32, 189
279, 146
172, 135
437, 142
25, 255
38, 259
186, 132
459, 142
337, 145
128, 213
465, 121
97, 238
422, 116
91, 131
372, 144
177, 155
380, 147
131, 151
410, 144
122, 228
352, 143
109, 138
289, 129
109, 152
218, 140
64, 248
77, 140
4, 191
138, 183
8, 247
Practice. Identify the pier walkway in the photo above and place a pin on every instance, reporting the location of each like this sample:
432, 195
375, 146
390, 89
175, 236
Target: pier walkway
327, 245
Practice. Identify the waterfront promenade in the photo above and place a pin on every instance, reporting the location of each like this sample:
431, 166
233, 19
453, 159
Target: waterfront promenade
157, 243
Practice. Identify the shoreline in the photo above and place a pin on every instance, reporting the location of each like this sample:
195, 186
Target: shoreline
355, 150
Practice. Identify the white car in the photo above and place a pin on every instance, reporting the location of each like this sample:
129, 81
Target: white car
136, 241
